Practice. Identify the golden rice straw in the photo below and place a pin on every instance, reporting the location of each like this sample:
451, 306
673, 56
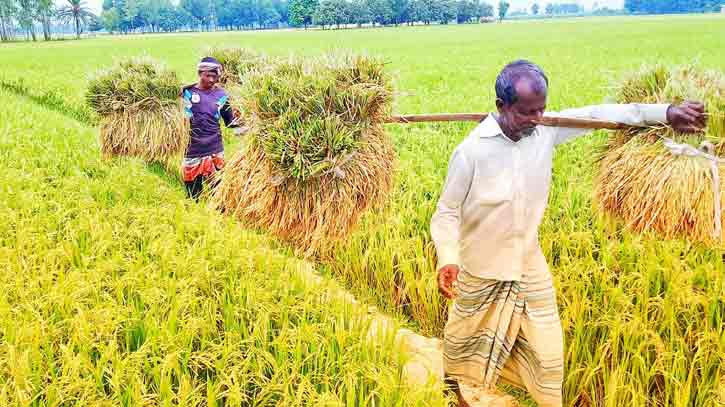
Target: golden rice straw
317, 157
140, 111
644, 180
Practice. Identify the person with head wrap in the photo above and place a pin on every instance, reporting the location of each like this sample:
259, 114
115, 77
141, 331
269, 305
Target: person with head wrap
204, 104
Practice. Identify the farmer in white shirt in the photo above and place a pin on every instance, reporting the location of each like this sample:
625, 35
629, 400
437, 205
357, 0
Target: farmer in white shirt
504, 323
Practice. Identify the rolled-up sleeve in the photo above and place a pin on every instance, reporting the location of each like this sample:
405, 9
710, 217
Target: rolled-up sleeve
445, 224
635, 114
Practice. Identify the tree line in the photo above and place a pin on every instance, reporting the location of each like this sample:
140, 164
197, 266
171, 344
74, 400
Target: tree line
33, 17
29, 17
672, 6
162, 15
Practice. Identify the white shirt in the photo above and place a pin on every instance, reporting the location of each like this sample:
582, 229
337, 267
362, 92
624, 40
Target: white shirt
496, 191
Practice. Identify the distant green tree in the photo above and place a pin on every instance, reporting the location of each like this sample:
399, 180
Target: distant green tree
465, 10
199, 9
95, 24
401, 11
111, 20
331, 12
381, 11
301, 12
485, 10
446, 11
8, 9
503, 8
359, 12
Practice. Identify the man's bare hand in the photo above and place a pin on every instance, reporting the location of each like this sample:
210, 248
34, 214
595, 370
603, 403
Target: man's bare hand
687, 117
447, 275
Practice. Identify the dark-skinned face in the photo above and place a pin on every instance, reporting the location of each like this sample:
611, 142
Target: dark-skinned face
521, 116
207, 79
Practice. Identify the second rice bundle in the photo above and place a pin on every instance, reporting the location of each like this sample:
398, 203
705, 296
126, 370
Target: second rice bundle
317, 157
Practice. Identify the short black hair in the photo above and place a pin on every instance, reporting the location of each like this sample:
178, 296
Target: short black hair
510, 75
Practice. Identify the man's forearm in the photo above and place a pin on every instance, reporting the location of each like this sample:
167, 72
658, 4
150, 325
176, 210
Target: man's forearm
445, 233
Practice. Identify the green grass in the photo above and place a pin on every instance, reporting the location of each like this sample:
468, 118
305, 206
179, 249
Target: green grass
643, 317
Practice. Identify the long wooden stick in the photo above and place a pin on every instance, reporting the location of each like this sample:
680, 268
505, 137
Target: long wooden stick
477, 117
437, 117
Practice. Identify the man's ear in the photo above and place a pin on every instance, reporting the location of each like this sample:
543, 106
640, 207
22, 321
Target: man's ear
499, 104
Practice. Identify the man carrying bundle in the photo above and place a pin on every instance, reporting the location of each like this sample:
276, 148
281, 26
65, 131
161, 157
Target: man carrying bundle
204, 105
504, 322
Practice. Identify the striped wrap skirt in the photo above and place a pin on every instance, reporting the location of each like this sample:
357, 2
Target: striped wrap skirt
508, 331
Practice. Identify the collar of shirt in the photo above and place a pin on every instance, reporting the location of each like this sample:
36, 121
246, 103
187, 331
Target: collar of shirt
489, 127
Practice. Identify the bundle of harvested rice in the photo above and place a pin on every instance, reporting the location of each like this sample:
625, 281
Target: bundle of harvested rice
317, 156
657, 179
236, 63
140, 109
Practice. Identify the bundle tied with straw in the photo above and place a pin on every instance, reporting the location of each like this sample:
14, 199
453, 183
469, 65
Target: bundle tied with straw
317, 157
141, 113
659, 180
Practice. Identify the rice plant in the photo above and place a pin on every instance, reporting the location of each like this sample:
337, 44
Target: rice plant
643, 315
118, 291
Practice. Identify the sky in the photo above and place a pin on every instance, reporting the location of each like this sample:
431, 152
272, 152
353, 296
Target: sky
95, 5
587, 4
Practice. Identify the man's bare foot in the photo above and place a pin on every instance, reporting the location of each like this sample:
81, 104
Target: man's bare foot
478, 396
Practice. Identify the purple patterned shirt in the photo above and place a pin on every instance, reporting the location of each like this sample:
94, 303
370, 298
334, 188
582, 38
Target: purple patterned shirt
204, 108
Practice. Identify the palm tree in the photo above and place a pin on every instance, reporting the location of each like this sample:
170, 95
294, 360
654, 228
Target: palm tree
78, 12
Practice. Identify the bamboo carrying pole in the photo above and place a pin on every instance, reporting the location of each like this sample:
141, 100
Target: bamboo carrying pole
477, 117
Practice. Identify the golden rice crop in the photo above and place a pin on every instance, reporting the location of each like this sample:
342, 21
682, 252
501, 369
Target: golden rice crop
116, 291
